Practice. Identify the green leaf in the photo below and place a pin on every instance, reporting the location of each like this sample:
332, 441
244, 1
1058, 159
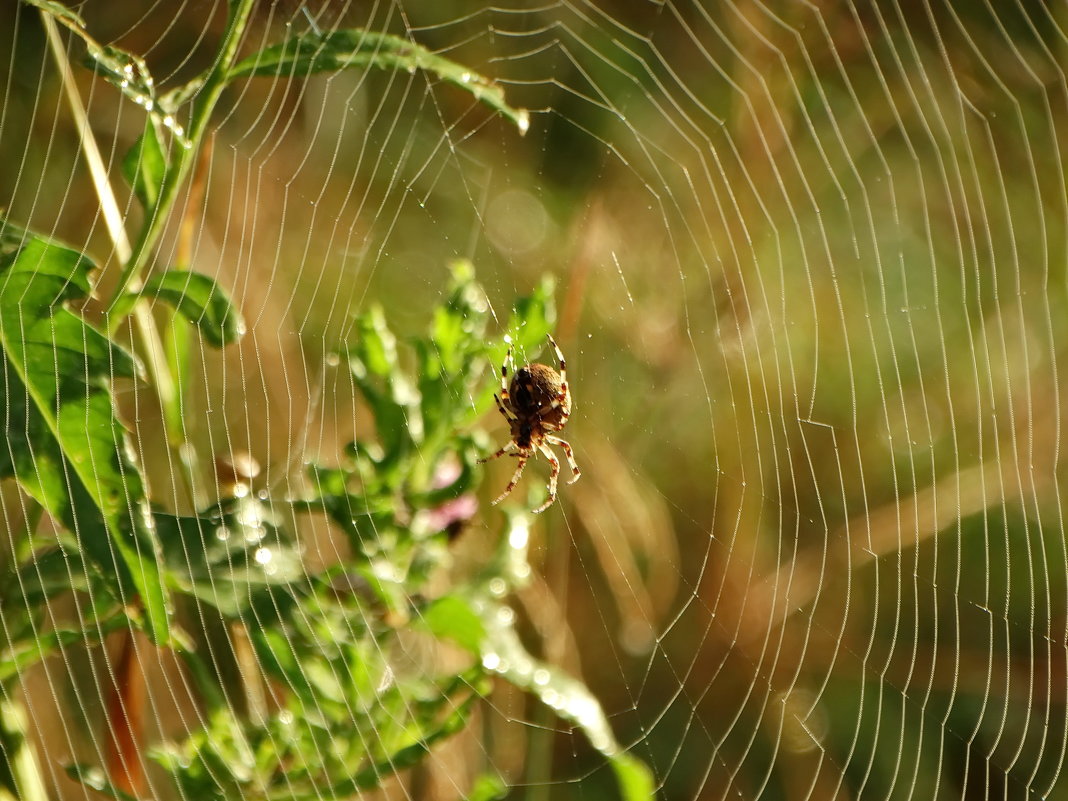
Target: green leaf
635, 779
329, 51
65, 445
125, 71
533, 318
487, 787
96, 779
12, 237
569, 698
57, 10
15, 659
230, 554
452, 618
201, 301
372, 360
145, 166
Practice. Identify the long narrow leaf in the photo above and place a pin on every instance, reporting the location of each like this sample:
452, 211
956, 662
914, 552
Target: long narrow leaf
312, 52
569, 698
65, 445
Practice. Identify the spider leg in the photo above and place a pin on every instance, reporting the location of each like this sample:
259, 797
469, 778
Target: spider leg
511, 446
504, 372
554, 466
515, 476
566, 447
504, 409
544, 410
559, 358
562, 394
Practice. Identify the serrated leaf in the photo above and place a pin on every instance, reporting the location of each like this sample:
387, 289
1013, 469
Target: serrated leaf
145, 166
200, 300
329, 51
65, 445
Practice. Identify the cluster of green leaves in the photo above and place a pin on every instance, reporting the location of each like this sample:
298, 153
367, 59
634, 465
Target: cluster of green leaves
352, 653
348, 704
399, 485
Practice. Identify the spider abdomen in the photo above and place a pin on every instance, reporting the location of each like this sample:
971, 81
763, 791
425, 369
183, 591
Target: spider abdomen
536, 397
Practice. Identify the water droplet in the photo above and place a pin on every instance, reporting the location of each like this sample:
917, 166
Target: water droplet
255, 534
519, 536
498, 587
490, 661
263, 556
95, 778
222, 533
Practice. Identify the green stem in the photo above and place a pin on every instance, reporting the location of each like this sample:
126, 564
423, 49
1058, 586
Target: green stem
203, 105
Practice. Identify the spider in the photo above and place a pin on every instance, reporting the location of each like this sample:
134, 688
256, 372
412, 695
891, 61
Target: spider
535, 403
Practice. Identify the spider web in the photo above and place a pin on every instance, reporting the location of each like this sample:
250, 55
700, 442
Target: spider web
811, 289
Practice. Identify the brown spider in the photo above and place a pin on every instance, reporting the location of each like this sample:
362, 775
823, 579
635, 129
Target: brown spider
536, 402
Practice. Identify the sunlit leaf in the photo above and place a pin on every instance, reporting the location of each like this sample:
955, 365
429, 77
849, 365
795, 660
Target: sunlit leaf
94, 777
532, 319
229, 554
311, 52
394, 401
65, 445
200, 300
57, 10
487, 787
635, 779
569, 698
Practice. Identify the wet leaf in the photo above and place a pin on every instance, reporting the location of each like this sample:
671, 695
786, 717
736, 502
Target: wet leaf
230, 554
329, 51
569, 698
125, 71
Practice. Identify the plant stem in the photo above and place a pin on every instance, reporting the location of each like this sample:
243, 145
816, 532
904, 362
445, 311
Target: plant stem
178, 171
155, 359
20, 772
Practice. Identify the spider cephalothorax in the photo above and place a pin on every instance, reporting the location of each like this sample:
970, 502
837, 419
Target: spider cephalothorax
535, 403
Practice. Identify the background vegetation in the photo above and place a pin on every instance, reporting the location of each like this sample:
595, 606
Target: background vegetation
810, 270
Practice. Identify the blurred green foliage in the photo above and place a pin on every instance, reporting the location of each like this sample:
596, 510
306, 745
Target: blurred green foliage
814, 261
